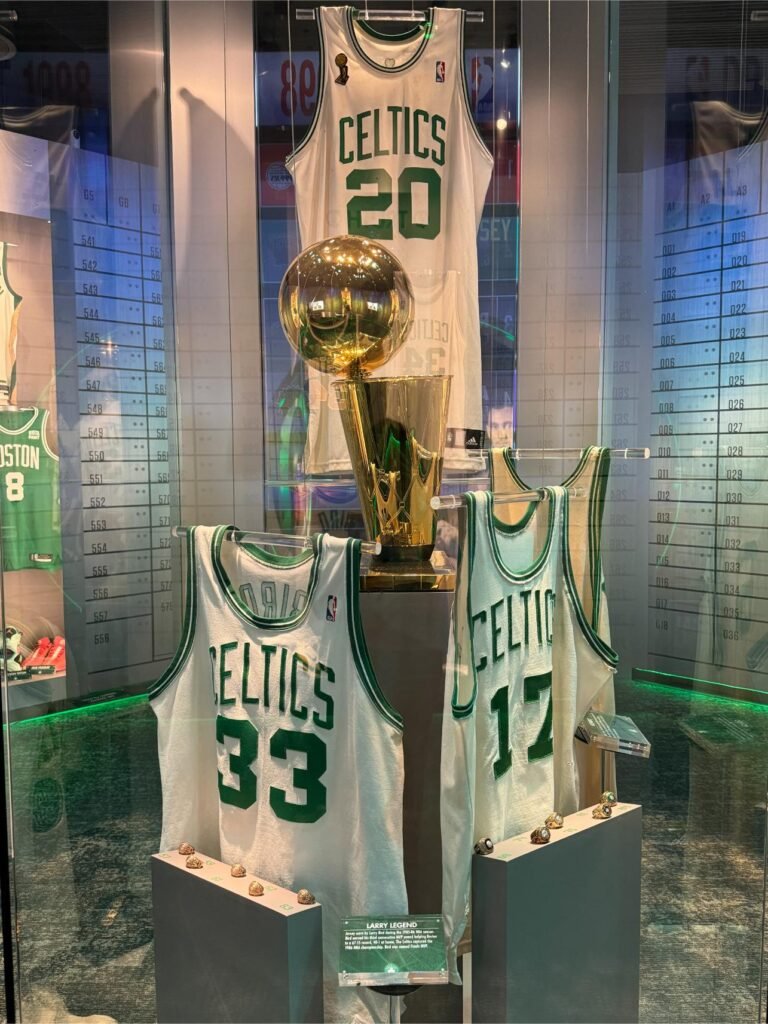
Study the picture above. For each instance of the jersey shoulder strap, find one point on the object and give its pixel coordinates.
(4, 282)
(184, 648)
(360, 653)
(325, 17)
(584, 623)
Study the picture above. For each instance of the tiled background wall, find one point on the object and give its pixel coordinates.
(563, 128)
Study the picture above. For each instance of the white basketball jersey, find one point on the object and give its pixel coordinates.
(10, 306)
(497, 761)
(394, 154)
(585, 663)
(277, 748)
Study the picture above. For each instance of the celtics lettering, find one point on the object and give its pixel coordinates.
(274, 677)
(392, 131)
(283, 683)
(520, 619)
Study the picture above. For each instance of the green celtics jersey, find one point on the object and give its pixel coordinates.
(277, 748)
(30, 511)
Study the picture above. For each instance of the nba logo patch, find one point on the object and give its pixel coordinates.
(439, 70)
(330, 608)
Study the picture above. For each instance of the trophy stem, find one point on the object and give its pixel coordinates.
(395, 432)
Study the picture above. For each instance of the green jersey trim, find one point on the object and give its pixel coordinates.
(357, 639)
(466, 709)
(600, 647)
(188, 625)
(427, 28)
(320, 95)
(16, 297)
(271, 558)
(510, 463)
(239, 607)
(465, 91)
(44, 436)
(595, 519)
(409, 33)
(597, 492)
(510, 529)
(15, 431)
(538, 562)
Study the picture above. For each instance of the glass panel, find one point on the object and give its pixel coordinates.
(685, 373)
(305, 492)
(88, 490)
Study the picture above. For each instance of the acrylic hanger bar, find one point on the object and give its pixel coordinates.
(446, 501)
(278, 540)
(573, 453)
(376, 14)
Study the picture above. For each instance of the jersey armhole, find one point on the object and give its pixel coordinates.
(464, 573)
(16, 297)
(290, 160)
(600, 647)
(595, 520)
(357, 639)
(44, 435)
(188, 625)
(465, 92)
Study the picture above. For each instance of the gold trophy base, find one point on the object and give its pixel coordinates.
(414, 576)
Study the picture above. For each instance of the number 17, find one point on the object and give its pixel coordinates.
(533, 687)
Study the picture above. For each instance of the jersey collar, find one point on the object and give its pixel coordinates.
(278, 564)
(352, 26)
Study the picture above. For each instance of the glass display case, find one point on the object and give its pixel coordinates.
(286, 647)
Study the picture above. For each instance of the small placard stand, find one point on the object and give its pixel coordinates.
(222, 955)
(393, 955)
(556, 928)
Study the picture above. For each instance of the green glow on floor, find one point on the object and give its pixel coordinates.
(683, 693)
(105, 705)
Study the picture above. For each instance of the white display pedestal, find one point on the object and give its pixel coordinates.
(224, 956)
(556, 928)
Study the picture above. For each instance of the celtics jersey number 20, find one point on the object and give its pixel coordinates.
(393, 154)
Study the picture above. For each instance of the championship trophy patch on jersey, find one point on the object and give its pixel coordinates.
(440, 71)
(341, 64)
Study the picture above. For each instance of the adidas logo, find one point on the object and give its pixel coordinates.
(472, 442)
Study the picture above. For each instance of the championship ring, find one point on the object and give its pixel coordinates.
(305, 896)
(484, 847)
(609, 797)
(540, 835)
(186, 849)
(255, 889)
(194, 862)
(602, 811)
(554, 820)
(238, 871)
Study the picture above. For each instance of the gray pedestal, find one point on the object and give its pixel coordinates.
(407, 635)
(556, 928)
(224, 956)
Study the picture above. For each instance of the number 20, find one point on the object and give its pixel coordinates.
(359, 205)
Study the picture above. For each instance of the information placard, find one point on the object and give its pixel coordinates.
(393, 951)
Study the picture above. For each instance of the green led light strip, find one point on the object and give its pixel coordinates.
(105, 705)
(702, 687)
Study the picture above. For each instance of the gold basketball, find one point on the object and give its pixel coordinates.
(346, 305)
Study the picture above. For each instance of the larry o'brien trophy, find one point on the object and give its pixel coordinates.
(346, 307)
